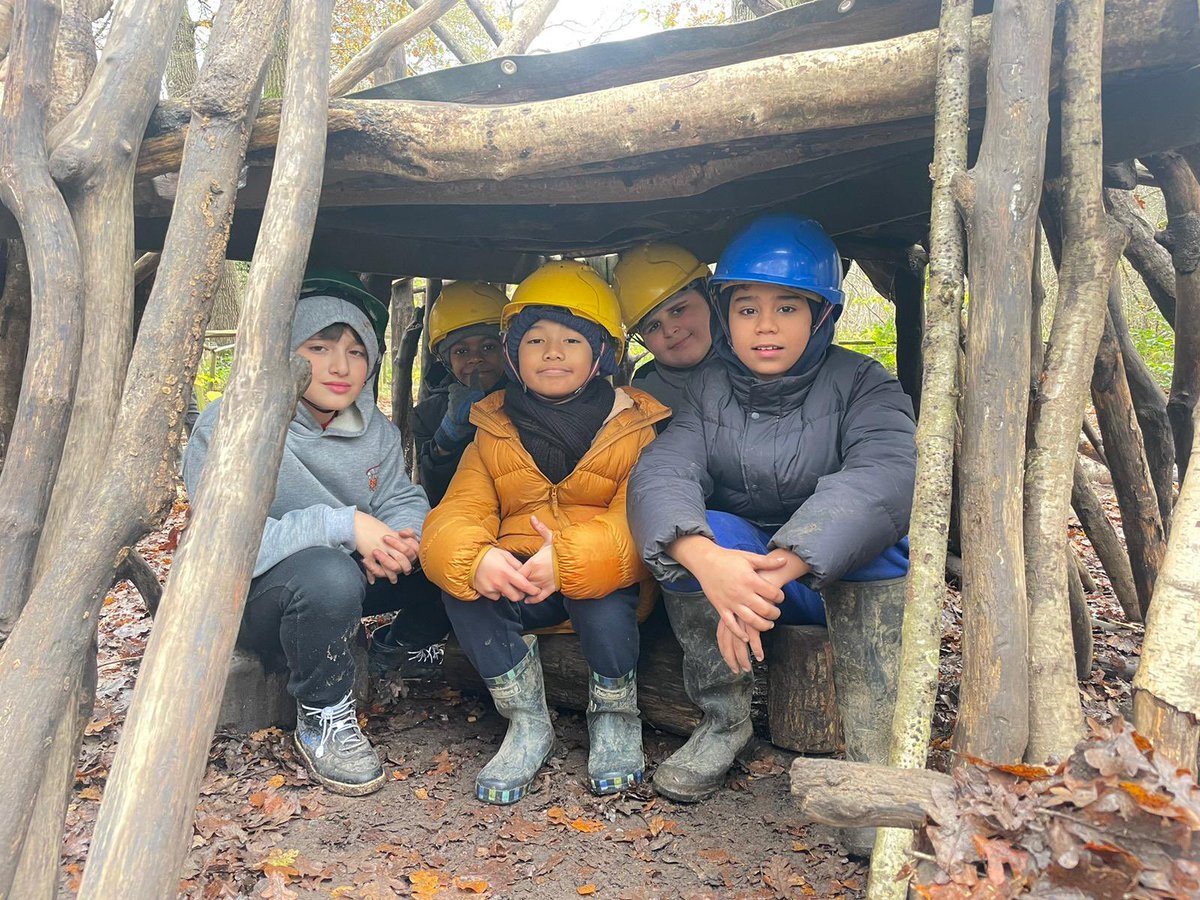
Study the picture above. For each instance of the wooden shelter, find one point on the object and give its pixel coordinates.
(476, 171)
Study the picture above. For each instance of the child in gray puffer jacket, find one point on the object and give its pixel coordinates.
(780, 492)
(340, 537)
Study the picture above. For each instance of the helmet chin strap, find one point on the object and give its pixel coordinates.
(319, 409)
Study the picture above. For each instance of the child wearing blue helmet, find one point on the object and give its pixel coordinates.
(781, 492)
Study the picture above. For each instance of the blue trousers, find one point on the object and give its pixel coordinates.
(801, 604)
(490, 630)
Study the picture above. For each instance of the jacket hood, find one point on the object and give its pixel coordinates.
(812, 357)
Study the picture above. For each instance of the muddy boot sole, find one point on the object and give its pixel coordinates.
(685, 791)
(509, 796)
(346, 789)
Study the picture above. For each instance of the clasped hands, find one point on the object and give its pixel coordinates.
(500, 574)
(745, 589)
(386, 553)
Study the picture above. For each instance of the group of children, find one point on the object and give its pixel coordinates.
(753, 474)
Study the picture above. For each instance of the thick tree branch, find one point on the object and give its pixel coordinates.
(485, 19)
(457, 48)
(531, 19)
(133, 855)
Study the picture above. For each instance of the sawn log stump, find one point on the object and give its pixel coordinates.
(802, 711)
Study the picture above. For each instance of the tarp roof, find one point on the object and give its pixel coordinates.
(867, 182)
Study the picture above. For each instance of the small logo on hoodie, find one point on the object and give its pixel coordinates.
(373, 477)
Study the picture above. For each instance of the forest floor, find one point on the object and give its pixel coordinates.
(264, 830)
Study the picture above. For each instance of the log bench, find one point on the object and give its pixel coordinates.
(801, 707)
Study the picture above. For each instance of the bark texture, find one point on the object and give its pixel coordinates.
(1126, 453)
(1166, 688)
(851, 795)
(1182, 238)
(56, 312)
(1149, 258)
(1092, 244)
(95, 149)
(925, 589)
(1000, 198)
(174, 712)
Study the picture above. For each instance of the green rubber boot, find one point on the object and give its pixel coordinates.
(520, 696)
(697, 769)
(865, 618)
(615, 759)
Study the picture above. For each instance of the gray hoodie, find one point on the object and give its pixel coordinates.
(357, 463)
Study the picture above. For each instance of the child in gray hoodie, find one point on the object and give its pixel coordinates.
(341, 534)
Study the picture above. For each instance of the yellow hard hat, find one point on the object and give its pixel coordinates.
(648, 274)
(461, 304)
(575, 287)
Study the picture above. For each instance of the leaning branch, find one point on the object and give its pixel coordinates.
(376, 53)
(925, 590)
(1092, 244)
(174, 713)
(529, 24)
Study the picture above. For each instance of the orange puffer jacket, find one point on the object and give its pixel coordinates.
(498, 487)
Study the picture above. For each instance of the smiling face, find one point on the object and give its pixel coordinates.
(769, 327)
(676, 331)
(339, 368)
(479, 357)
(554, 360)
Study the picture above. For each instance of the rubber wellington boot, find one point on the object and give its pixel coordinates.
(615, 759)
(865, 618)
(520, 696)
(697, 769)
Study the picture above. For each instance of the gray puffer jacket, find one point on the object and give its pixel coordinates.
(825, 460)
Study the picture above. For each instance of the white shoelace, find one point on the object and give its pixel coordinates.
(431, 654)
(339, 725)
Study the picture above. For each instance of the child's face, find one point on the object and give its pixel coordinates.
(554, 360)
(478, 357)
(339, 370)
(769, 327)
(676, 332)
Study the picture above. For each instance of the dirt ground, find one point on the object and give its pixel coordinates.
(264, 831)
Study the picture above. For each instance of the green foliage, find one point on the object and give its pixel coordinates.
(213, 375)
(1156, 344)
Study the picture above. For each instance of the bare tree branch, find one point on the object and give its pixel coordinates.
(485, 19)
(376, 53)
(530, 21)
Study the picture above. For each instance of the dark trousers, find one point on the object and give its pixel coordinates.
(490, 630)
(303, 613)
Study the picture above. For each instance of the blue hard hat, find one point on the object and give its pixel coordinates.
(784, 249)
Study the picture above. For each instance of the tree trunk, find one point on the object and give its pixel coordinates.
(182, 69)
(431, 368)
(1150, 406)
(910, 325)
(1000, 199)
(1148, 257)
(529, 24)
(1105, 542)
(403, 314)
(174, 711)
(376, 53)
(56, 314)
(1140, 519)
(925, 588)
(851, 795)
(1182, 238)
(1166, 688)
(93, 159)
(1092, 244)
(14, 338)
(484, 17)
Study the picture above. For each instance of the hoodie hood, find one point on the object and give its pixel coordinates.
(313, 313)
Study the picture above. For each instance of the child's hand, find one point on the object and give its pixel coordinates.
(792, 567)
(405, 541)
(735, 583)
(734, 650)
(379, 560)
(499, 575)
(539, 568)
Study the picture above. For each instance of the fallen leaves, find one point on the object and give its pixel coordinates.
(559, 816)
(585, 889)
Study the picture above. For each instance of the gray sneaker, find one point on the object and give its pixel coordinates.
(334, 749)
